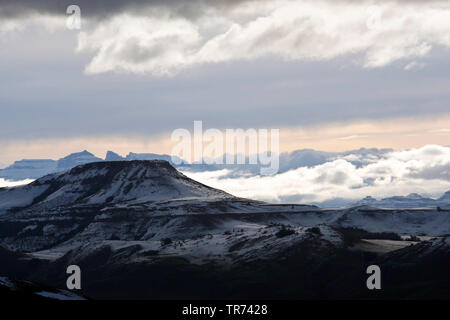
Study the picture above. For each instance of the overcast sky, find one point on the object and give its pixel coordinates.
(332, 75)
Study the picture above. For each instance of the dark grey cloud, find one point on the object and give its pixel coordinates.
(56, 7)
(101, 9)
(441, 172)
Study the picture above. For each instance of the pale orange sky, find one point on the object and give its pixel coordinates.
(398, 134)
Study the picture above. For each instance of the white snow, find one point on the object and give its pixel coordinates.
(19, 197)
(60, 295)
(381, 246)
(6, 282)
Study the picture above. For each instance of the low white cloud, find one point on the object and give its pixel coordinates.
(50, 23)
(160, 42)
(6, 183)
(414, 66)
(425, 171)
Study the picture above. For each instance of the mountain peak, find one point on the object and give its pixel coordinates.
(83, 153)
(105, 183)
(112, 156)
(414, 196)
(75, 159)
(445, 196)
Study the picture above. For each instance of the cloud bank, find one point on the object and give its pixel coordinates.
(6, 183)
(425, 171)
(372, 35)
(164, 37)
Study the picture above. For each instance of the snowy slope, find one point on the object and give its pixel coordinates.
(107, 183)
(243, 242)
(11, 288)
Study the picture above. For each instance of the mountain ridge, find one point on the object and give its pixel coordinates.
(412, 200)
(100, 183)
(167, 225)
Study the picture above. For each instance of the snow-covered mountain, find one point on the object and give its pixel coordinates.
(12, 288)
(76, 159)
(143, 190)
(159, 201)
(28, 169)
(37, 168)
(412, 200)
(445, 197)
(147, 217)
(119, 183)
(112, 156)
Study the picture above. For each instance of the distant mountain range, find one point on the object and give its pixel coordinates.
(36, 168)
(412, 200)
